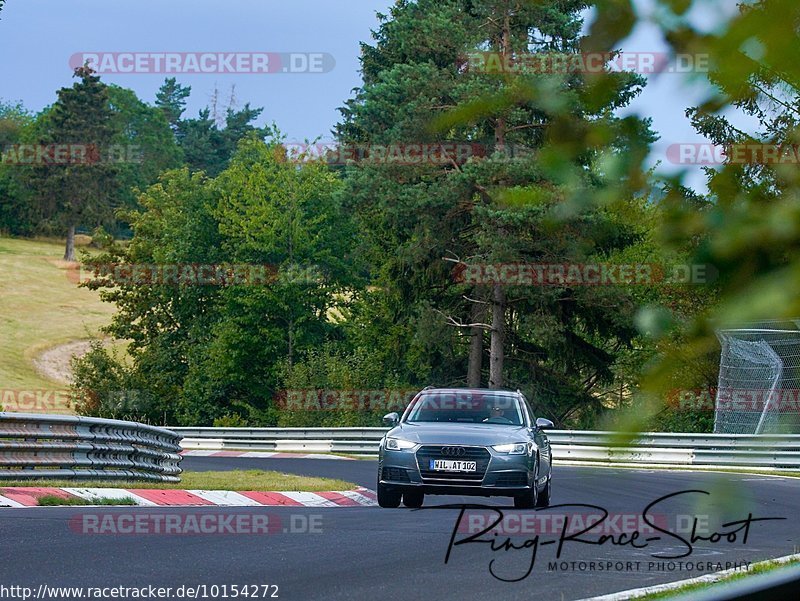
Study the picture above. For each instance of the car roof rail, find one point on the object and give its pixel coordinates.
(428, 388)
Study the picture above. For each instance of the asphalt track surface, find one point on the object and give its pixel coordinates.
(387, 554)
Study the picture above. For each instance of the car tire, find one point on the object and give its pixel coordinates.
(413, 499)
(388, 498)
(544, 497)
(530, 498)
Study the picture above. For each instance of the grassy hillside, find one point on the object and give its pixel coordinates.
(40, 308)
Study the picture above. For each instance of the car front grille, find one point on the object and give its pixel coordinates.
(478, 454)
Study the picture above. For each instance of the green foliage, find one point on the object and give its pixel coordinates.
(384, 309)
(672, 419)
(419, 221)
(231, 420)
(142, 142)
(145, 138)
(748, 227)
(102, 239)
(56, 501)
(105, 386)
(171, 99)
(350, 388)
(83, 192)
(14, 212)
(205, 349)
(17, 213)
(128, 143)
(206, 146)
(14, 117)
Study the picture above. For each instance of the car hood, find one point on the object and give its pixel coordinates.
(465, 434)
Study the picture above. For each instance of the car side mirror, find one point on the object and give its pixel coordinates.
(544, 424)
(391, 419)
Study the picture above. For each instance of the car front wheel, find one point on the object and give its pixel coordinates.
(413, 499)
(530, 498)
(544, 497)
(388, 498)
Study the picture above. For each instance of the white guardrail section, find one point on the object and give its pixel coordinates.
(734, 450)
(68, 447)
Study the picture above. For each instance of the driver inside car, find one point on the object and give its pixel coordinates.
(494, 413)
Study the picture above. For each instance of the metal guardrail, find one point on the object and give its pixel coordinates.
(68, 447)
(731, 450)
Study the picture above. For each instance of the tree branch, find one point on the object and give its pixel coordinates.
(458, 324)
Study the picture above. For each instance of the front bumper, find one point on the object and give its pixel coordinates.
(504, 475)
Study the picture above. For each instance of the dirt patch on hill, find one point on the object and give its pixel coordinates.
(55, 363)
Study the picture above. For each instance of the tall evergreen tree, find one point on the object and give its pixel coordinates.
(207, 143)
(171, 99)
(499, 208)
(83, 191)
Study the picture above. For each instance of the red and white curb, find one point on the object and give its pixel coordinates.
(263, 454)
(151, 497)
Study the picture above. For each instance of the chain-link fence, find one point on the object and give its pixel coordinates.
(759, 379)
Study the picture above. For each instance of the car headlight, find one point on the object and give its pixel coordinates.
(516, 448)
(398, 444)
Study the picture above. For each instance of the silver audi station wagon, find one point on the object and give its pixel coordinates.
(457, 441)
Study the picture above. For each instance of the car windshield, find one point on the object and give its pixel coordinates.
(466, 407)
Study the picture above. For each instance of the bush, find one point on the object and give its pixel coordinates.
(105, 387)
(230, 420)
(330, 372)
(673, 419)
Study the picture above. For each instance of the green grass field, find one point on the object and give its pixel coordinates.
(40, 307)
(235, 480)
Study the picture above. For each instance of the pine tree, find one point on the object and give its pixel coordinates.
(171, 99)
(418, 87)
(209, 140)
(79, 191)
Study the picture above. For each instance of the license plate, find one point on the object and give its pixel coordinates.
(453, 465)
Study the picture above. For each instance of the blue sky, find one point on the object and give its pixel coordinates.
(37, 38)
